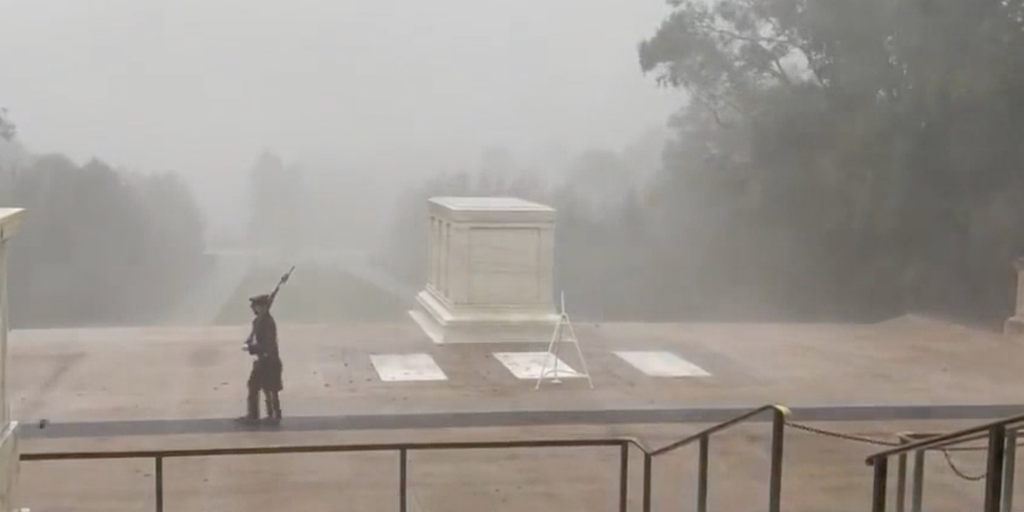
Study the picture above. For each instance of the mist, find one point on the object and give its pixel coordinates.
(386, 91)
(723, 160)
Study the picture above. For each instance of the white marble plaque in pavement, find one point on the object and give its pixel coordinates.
(406, 367)
(528, 365)
(661, 364)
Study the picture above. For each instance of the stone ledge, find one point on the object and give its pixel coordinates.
(1014, 327)
(10, 221)
(9, 466)
(615, 412)
(447, 313)
(444, 326)
(486, 210)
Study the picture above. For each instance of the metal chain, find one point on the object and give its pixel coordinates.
(840, 435)
(878, 442)
(973, 448)
(959, 472)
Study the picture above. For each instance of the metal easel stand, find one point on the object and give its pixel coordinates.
(557, 338)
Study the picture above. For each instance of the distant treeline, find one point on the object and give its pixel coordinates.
(99, 246)
(838, 160)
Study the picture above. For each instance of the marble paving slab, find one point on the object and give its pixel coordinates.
(528, 365)
(661, 364)
(407, 367)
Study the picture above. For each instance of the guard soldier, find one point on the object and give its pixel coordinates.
(267, 367)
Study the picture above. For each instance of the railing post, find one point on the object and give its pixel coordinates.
(403, 479)
(648, 468)
(624, 477)
(994, 468)
(917, 484)
(158, 476)
(901, 479)
(1009, 469)
(878, 485)
(775, 475)
(901, 482)
(702, 475)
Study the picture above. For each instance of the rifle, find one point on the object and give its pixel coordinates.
(273, 295)
(284, 279)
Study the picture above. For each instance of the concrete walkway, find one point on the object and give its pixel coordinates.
(359, 265)
(512, 418)
(232, 266)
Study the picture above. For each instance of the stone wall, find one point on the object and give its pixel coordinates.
(9, 454)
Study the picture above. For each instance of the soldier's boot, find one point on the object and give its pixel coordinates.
(277, 405)
(272, 416)
(252, 407)
(273, 408)
(269, 400)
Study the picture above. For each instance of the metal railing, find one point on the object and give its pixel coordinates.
(779, 415)
(1001, 452)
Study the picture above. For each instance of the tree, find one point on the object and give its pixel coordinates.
(264, 185)
(7, 128)
(277, 204)
(101, 246)
(876, 136)
(597, 182)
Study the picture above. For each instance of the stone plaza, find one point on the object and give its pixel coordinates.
(462, 367)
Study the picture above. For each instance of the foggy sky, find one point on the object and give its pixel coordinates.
(202, 86)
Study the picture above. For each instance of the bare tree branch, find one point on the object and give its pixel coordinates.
(778, 71)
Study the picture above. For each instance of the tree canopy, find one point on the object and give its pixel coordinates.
(837, 160)
(881, 137)
(99, 246)
(276, 192)
(7, 128)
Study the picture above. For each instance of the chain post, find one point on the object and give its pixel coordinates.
(702, 475)
(1010, 469)
(878, 484)
(994, 468)
(917, 485)
(403, 480)
(624, 477)
(159, 478)
(775, 471)
(901, 482)
(648, 468)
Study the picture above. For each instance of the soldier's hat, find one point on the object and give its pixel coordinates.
(260, 300)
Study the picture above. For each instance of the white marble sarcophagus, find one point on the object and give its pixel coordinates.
(490, 273)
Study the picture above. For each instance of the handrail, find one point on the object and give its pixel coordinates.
(623, 442)
(957, 437)
(725, 425)
(403, 450)
(333, 448)
(779, 415)
(1001, 451)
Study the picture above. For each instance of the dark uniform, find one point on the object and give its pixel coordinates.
(267, 368)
